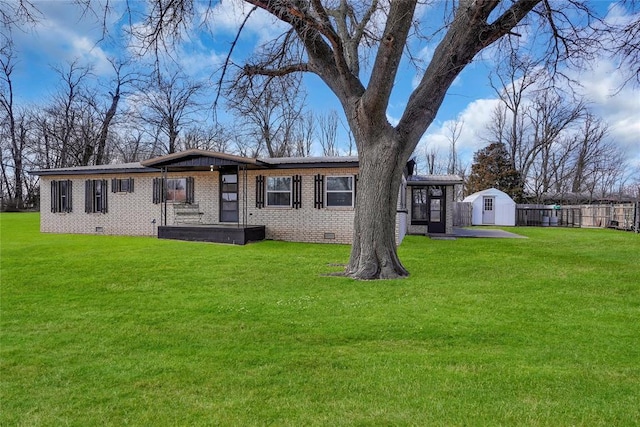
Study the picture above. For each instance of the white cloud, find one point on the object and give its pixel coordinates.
(475, 118)
(227, 17)
(65, 36)
(617, 104)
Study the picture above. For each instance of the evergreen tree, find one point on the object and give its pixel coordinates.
(492, 169)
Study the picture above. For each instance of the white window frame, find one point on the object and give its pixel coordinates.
(99, 198)
(268, 192)
(327, 191)
(173, 190)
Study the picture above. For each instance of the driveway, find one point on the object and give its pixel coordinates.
(485, 232)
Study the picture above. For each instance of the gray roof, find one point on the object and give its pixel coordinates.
(135, 167)
(309, 162)
(434, 180)
(186, 157)
(325, 159)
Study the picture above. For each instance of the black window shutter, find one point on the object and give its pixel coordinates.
(69, 196)
(260, 191)
(88, 196)
(355, 189)
(158, 190)
(114, 185)
(130, 185)
(190, 190)
(297, 191)
(319, 191)
(104, 196)
(55, 199)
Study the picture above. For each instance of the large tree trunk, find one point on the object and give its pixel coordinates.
(373, 253)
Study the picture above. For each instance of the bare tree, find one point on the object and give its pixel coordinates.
(328, 133)
(16, 13)
(121, 79)
(64, 115)
(530, 120)
(130, 145)
(512, 81)
(627, 45)
(331, 39)
(269, 111)
(454, 129)
(384, 150)
(14, 129)
(170, 104)
(351, 145)
(306, 127)
(215, 138)
(550, 116)
(433, 162)
(589, 144)
(554, 142)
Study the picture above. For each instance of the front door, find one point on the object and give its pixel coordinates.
(228, 196)
(488, 210)
(437, 211)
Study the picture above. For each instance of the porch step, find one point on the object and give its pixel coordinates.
(236, 235)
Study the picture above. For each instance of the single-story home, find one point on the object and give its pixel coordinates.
(492, 207)
(211, 196)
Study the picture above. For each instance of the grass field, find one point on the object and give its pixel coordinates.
(102, 330)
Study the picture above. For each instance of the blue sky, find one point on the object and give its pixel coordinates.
(63, 34)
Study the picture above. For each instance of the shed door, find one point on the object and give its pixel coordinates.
(488, 210)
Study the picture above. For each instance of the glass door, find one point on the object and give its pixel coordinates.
(228, 197)
(437, 213)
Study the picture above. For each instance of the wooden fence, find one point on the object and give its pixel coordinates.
(622, 216)
(462, 214)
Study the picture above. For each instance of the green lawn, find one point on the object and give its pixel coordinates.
(101, 330)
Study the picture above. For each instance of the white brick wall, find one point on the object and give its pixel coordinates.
(306, 224)
(128, 213)
(133, 213)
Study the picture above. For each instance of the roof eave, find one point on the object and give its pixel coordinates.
(91, 171)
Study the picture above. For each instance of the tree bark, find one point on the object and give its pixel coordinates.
(373, 253)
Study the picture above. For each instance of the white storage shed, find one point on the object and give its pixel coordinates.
(492, 207)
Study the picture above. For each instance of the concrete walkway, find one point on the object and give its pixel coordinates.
(485, 232)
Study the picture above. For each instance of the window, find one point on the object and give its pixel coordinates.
(339, 191)
(61, 192)
(176, 190)
(436, 196)
(179, 190)
(488, 203)
(279, 191)
(122, 185)
(95, 193)
(419, 211)
(435, 210)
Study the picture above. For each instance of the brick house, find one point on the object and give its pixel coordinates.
(210, 196)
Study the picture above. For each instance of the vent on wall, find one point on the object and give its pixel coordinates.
(99, 230)
(329, 236)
